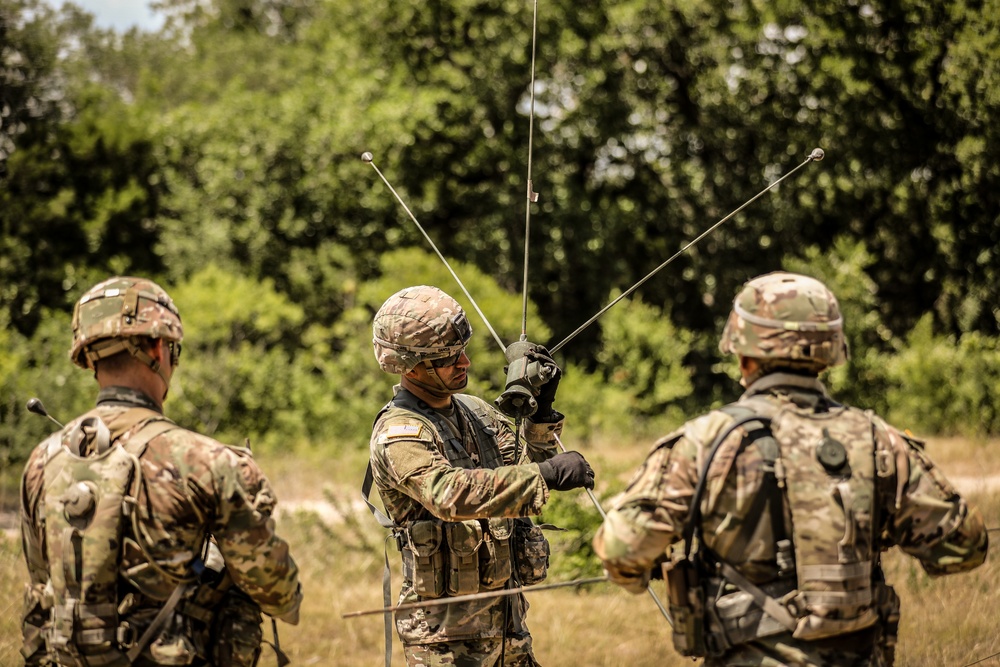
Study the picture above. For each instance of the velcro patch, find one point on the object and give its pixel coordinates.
(404, 431)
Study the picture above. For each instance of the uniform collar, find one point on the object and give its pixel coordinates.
(772, 381)
(126, 397)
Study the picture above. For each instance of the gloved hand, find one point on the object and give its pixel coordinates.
(546, 392)
(568, 470)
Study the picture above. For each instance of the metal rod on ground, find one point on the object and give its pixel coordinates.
(475, 596)
(369, 158)
(816, 155)
(604, 515)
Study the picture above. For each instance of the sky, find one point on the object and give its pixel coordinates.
(119, 14)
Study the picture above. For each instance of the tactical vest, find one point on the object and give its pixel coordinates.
(817, 506)
(89, 496)
(459, 557)
(456, 557)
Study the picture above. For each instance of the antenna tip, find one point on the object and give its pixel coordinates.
(367, 157)
(817, 154)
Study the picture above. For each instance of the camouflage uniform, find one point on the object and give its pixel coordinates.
(766, 507)
(197, 520)
(427, 466)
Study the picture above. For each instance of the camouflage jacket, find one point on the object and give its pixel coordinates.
(918, 510)
(192, 487)
(421, 473)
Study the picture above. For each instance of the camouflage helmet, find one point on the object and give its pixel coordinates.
(418, 324)
(111, 314)
(787, 317)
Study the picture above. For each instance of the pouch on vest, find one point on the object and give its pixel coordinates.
(236, 632)
(494, 556)
(87, 491)
(687, 607)
(423, 558)
(464, 539)
(531, 552)
(831, 497)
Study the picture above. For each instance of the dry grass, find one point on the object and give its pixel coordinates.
(947, 622)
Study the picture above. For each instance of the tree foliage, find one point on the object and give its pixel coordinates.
(221, 155)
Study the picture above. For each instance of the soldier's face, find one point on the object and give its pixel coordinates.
(454, 377)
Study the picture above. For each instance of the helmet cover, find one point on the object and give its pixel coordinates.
(110, 313)
(418, 324)
(786, 316)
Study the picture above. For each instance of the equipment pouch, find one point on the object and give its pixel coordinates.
(236, 632)
(687, 607)
(531, 552)
(423, 558)
(887, 603)
(494, 557)
(464, 539)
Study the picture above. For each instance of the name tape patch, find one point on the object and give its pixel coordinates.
(404, 431)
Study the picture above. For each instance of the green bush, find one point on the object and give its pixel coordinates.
(863, 380)
(944, 385)
(38, 367)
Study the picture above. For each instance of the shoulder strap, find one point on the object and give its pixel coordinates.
(366, 490)
(366, 484)
(743, 415)
(485, 435)
(150, 425)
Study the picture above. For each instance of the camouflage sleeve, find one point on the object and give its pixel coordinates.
(405, 457)
(34, 616)
(930, 520)
(542, 439)
(256, 557)
(538, 441)
(649, 515)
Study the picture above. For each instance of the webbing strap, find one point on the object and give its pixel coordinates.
(387, 600)
(33, 638)
(772, 607)
(694, 513)
(366, 490)
(840, 572)
(158, 621)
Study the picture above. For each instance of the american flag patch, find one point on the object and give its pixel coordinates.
(404, 431)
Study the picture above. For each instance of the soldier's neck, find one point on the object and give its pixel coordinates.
(139, 378)
(429, 395)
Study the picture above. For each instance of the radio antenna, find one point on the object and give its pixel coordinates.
(370, 159)
(816, 155)
(532, 196)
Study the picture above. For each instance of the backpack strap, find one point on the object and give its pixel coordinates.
(385, 522)
(743, 415)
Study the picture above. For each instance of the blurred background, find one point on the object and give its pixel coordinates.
(214, 146)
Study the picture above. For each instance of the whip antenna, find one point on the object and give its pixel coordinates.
(816, 155)
(369, 158)
(532, 195)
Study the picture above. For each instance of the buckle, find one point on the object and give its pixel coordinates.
(126, 635)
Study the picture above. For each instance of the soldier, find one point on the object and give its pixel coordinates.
(146, 543)
(769, 515)
(454, 484)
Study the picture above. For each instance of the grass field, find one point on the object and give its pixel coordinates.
(946, 622)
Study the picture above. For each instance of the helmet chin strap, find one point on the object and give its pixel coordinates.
(437, 388)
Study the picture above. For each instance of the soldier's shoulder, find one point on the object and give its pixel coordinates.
(477, 403)
(703, 429)
(196, 449)
(398, 424)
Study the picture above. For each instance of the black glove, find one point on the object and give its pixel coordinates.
(566, 471)
(546, 392)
